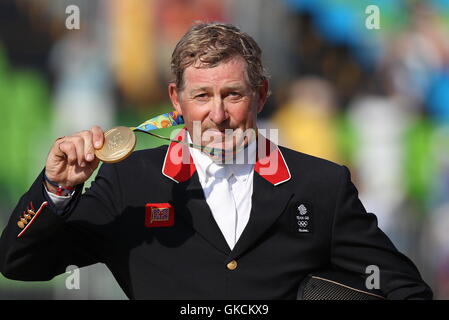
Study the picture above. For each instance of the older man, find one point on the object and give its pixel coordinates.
(249, 228)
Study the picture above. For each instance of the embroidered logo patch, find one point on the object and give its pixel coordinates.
(303, 217)
(159, 215)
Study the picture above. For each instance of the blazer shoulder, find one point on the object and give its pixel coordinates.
(301, 164)
(153, 155)
(304, 158)
(146, 159)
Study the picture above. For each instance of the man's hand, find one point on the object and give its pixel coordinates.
(72, 160)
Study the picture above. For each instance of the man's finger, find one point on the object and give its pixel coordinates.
(88, 145)
(69, 150)
(56, 150)
(98, 136)
(78, 142)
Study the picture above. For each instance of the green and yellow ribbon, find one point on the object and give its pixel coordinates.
(172, 119)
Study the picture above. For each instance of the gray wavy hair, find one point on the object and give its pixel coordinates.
(208, 44)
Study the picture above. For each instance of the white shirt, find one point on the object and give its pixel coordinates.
(59, 201)
(240, 181)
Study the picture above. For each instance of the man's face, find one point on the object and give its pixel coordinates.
(218, 99)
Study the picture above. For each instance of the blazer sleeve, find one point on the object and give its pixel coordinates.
(51, 241)
(357, 243)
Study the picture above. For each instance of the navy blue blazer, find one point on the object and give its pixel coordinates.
(147, 220)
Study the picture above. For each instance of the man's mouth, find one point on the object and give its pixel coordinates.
(219, 137)
(219, 132)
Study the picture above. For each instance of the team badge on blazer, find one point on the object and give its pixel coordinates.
(159, 215)
(302, 212)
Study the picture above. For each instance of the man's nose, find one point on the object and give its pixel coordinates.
(218, 112)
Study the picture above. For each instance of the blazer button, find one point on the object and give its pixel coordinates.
(20, 224)
(232, 265)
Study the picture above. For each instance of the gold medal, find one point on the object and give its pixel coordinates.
(119, 143)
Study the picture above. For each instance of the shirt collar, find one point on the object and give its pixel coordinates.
(270, 164)
(241, 166)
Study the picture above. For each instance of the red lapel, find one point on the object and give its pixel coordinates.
(179, 166)
(178, 163)
(270, 162)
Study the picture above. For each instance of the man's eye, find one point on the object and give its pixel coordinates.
(234, 95)
(201, 96)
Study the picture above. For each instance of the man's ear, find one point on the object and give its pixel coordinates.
(263, 95)
(174, 97)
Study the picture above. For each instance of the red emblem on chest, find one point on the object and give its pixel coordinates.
(159, 215)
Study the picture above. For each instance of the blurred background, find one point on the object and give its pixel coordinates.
(372, 94)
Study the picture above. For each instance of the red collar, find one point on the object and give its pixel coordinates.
(179, 166)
